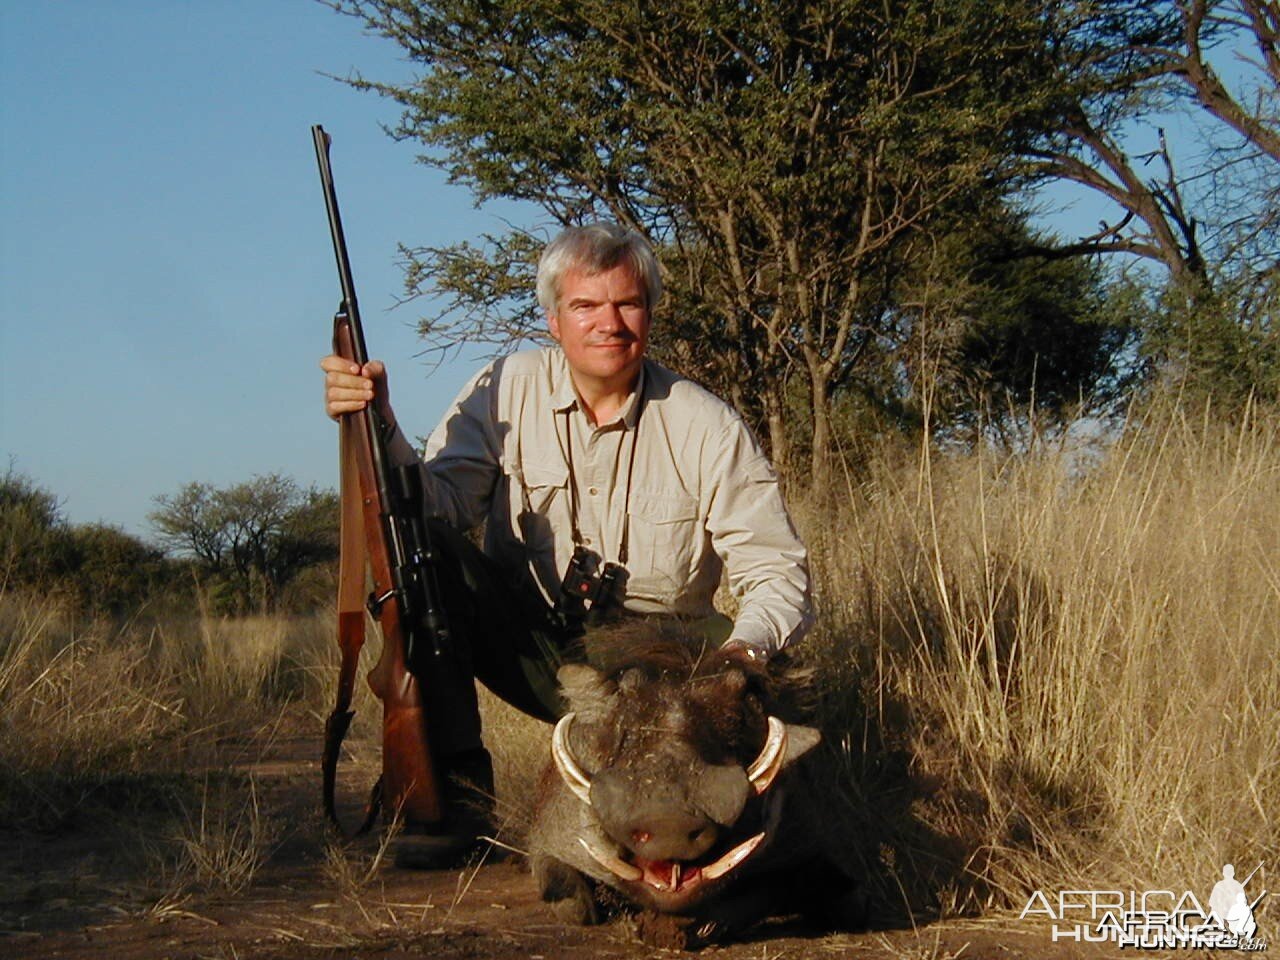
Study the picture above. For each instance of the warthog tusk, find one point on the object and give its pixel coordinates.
(610, 862)
(574, 778)
(731, 859)
(766, 766)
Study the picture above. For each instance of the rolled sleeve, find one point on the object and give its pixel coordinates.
(766, 562)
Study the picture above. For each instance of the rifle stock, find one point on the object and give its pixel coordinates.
(379, 525)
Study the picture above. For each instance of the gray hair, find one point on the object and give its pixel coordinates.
(595, 248)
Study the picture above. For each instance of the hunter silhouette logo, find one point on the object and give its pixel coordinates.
(1229, 905)
(1156, 919)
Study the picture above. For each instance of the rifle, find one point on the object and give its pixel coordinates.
(383, 520)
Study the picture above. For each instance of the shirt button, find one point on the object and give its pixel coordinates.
(586, 541)
(593, 490)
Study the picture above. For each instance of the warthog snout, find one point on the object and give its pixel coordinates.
(673, 820)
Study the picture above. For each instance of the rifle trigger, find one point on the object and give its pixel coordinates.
(375, 602)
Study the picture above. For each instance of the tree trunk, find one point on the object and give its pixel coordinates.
(821, 411)
(779, 446)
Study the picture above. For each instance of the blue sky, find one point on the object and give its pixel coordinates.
(166, 275)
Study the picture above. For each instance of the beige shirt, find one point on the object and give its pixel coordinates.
(698, 497)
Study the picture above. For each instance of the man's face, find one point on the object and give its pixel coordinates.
(602, 324)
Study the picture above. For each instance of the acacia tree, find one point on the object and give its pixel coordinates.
(253, 537)
(1209, 215)
(33, 546)
(1002, 342)
(1121, 63)
(784, 157)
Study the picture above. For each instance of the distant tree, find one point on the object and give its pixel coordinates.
(33, 546)
(996, 341)
(111, 571)
(1010, 338)
(98, 568)
(1215, 346)
(251, 538)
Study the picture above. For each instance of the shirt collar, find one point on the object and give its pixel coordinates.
(630, 412)
(564, 397)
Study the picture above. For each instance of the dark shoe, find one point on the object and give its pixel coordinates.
(467, 782)
(467, 786)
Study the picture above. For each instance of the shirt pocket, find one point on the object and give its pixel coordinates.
(538, 495)
(666, 533)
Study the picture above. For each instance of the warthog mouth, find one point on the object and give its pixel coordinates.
(675, 877)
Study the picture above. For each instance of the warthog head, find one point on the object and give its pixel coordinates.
(669, 777)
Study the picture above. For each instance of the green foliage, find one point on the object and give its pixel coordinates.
(32, 541)
(249, 540)
(98, 568)
(996, 338)
(113, 572)
(813, 175)
(785, 159)
(262, 544)
(1042, 338)
(1216, 346)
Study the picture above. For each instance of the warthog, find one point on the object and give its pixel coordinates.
(671, 782)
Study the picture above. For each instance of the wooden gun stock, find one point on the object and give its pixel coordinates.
(409, 784)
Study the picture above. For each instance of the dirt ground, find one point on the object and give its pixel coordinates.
(85, 893)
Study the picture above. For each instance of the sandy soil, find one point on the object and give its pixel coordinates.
(92, 892)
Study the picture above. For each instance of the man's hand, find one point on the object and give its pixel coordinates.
(348, 388)
(741, 654)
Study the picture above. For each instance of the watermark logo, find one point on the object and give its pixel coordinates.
(1156, 919)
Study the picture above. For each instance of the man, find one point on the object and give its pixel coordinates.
(594, 468)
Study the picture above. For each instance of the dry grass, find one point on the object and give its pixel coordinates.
(233, 672)
(129, 737)
(518, 745)
(78, 711)
(223, 843)
(351, 868)
(1082, 667)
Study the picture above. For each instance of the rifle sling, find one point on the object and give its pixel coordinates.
(351, 626)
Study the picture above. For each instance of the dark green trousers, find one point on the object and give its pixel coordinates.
(500, 634)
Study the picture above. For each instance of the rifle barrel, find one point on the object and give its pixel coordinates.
(349, 304)
(406, 537)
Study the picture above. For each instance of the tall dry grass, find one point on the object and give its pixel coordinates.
(1074, 665)
(96, 714)
(78, 714)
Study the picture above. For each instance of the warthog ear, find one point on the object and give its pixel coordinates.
(631, 680)
(586, 690)
(800, 740)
